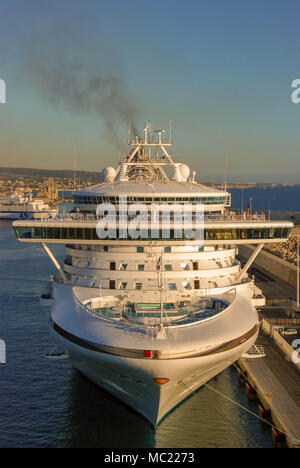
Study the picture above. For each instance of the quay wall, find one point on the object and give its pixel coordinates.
(278, 417)
(280, 268)
(286, 348)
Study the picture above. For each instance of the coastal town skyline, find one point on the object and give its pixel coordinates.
(222, 73)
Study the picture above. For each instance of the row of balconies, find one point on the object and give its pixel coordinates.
(129, 265)
(142, 284)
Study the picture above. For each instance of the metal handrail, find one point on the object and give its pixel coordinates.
(93, 218)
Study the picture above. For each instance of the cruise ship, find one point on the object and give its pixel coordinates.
(151, 301)
(17, 206)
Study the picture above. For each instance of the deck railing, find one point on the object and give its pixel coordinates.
(84, 218)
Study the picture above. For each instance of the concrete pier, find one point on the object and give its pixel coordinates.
(275, 379)
(277, 385)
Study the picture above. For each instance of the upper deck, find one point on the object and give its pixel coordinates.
(149, 174)
(219, 229)
(147, 183)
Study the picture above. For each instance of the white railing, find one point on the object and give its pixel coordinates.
(84, 218)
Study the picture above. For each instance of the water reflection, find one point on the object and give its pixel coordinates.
(97, 419)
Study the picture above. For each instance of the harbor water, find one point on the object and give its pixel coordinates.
(47, 403)
(278, 198)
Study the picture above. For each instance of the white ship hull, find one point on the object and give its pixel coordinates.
(25, 214)
(11, 215)
(137, 388)
(198, 354)
(16, 207)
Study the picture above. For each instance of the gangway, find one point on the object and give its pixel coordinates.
(256, 351)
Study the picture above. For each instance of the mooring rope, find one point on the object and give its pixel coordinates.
(245, 409)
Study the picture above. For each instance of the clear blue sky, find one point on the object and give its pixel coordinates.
(76, 71)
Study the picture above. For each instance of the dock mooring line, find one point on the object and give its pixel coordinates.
(245, 409)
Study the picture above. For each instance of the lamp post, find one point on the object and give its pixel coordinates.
(298, 273)
(250, 199)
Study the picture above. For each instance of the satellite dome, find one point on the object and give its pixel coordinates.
(184, 171)
(109, 174)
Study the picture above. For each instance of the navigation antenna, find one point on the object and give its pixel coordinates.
(225, 177)
(171, 131)
(74, 173)
(129, 134)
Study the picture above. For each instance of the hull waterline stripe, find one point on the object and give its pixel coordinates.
(139, 354)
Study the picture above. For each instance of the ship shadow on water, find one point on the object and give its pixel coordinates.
(97, 419)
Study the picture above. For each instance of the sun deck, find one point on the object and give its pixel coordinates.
(172, 314)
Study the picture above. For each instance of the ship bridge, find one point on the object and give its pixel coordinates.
(217, 230)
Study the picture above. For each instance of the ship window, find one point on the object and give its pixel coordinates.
(112, 266)
(123, 266)
(140, 249)
(105, 248)
(112, 284)
(138, 286)
(172, 286)
(140, 267)
(123, 285)
(168, 267)
(168, 249)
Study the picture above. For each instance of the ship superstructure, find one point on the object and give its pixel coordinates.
(16, 206)
(146, 310)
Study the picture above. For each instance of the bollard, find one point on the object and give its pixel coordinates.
(264, 413)
(279, 439)
(250, 390)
